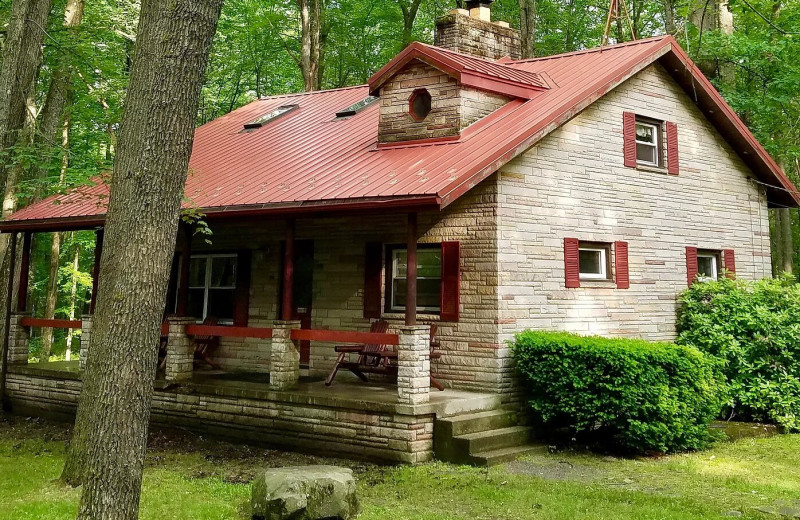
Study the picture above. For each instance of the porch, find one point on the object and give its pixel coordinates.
(350, 417)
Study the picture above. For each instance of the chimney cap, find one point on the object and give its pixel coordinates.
(472, 4)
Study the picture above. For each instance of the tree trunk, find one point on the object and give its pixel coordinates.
(52, 297)
(785, 236)
(310, 27)
(527, 26)
(147, 186)
(669, 17)
(776, 242)
(73, 294)
(20, 62)
(409, 11)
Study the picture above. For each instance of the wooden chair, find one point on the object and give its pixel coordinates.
(206, 345)
(366, 360)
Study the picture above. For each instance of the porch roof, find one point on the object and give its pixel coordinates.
(308, 160)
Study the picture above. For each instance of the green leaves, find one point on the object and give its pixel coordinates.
(624, 393)
(753, 328)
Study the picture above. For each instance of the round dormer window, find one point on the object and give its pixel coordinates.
(419, 104)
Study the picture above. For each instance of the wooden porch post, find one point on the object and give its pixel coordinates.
(411, 271)
(98, 252)
(24, 271)
(288, 272)
(183, 283)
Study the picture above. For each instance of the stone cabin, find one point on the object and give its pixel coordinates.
(578, 192)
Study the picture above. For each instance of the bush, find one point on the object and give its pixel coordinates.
(753, 328)
(625, 393)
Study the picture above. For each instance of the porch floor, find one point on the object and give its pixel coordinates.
(347, 391)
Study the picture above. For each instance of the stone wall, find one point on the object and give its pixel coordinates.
(468, 35)
(477, 104)
(283, 420)
(470, 346)
(574, 184)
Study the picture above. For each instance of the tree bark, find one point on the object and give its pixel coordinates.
(147, 185)
(52, 297)
(669, 17)
(409, 10)
(786, 264)
(310, 30)
(776, 242)
(20, 61)
(73, 297)
(527, 26)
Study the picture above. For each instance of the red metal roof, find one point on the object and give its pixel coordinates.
(308, 159)
(470, 71)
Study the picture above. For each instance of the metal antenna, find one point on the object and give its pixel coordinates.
(617, 11)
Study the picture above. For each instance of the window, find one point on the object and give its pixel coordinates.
(648, 143)
(212, 286)
(593, 261)
(356, 107)
(266, 118)
(707, 265)
(429, 278)
(419, 104)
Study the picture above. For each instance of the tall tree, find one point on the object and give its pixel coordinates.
(54, 134)
(409, 8)
(311, 43)
(147, 186)
(527, 27)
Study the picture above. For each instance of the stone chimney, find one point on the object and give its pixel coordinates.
(471, 31)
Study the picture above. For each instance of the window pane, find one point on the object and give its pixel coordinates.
(429, 293)
(590, 262)
(197, 272)
(401, 263)
(705, 266)
(221, 303)
(195, 307)
(429, 263)
(399, 293)
(645, 133)
(646, 153)
(223, 272)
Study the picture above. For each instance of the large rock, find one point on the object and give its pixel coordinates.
(305, 493)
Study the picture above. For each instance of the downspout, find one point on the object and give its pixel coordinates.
(10, 290)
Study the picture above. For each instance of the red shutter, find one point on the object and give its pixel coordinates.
(621, 265)
(373, 266)
(672, 148)
(730, 262)
(629, 138)
(691, 265)
(241, 307)
(572, 269)
(451, 281)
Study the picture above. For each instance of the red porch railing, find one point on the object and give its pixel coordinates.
(55, 324)
(345, 336)
(229, 332)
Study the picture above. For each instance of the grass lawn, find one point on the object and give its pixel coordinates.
(188, 477)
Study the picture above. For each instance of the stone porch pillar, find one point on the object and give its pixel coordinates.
(18, 340)
(284, 358)
(414, 364)
(86, 334)
(180, 350)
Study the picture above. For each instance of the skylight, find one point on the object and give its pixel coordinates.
(356, 107)
(266, 118)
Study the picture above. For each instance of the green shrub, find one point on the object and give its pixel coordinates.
(630, 394)
(754, 329)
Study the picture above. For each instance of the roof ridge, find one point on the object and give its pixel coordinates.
(663, 37)
(323, 91)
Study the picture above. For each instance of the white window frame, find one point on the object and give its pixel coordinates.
(207, 285)
(714, 264)
(657, 144)
(603, 274)
(395, 262)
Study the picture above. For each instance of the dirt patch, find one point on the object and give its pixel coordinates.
(556, 470)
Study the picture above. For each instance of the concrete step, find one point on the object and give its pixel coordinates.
(499, 456)
(472, 443)
(479, 422)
